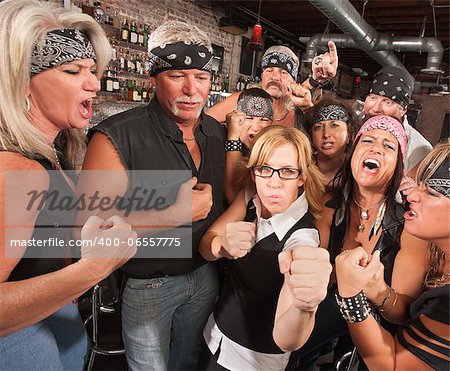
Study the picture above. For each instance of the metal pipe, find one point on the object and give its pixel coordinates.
(377, 45)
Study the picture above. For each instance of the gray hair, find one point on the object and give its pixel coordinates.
(175, 31)
(23, 23)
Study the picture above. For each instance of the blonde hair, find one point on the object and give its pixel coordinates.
(275, 136)
(24, 23)
(175, 31)
(426, 169)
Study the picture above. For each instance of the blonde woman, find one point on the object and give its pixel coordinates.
(276, 213)
(47, 91)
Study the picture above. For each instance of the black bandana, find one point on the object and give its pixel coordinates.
(256, 106)
(394, 83)
(331, 112)
(281, 60)
(440, 180)
(58, 47)
(180, 56)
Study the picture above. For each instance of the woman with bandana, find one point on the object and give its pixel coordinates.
(51, 61)
(254, 113)
(424, 341)
(331, 126)
(363, 212)
(275, 213)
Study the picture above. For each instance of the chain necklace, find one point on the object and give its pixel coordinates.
(188, 139)
(58, 164)
(364, 213)
(282, 118)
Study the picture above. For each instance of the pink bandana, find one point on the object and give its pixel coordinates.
(385, 123)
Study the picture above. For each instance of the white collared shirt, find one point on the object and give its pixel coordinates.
(234, 356)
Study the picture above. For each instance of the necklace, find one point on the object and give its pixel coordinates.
(364, 213)
(58, 164)
(282, 118)
(188, 139)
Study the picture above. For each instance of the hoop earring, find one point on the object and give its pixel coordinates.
(27, 103)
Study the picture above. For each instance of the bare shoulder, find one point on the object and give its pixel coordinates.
(17, 161)
(101, 154)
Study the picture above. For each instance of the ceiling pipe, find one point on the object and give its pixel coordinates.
(346, 17)
(398, 43)
(377, 45)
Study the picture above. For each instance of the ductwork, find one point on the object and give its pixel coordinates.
(359, 34)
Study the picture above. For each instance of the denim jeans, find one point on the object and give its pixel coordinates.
(58, 342)
(163, 319)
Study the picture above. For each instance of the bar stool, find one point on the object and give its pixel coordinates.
(105, 309)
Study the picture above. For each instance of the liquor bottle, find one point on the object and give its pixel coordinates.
(129, 90)
(140, 35)
(135, 95)
(226, 84)
(131, 64)
(116, 83)
(109, 17)
(108, 82)
(144, 93)
(133, 33)
(122, 60)
(138, 64)
(146, 69)
(125, 31)
(145, 36)
(99, 13)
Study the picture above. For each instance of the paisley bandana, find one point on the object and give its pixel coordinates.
(332, 112)
(394, 83)
(440, 180)
(180, 56)
(58, 47)
(385, 123)
(281, 60)
(256, 106)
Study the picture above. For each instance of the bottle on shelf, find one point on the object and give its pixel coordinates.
(99, 13)
(125, 31)
(140, 35)
(138, 64)
(129, 90)
(122, 60)
(87, 8)
(133, 33)
(145, 36)
(226, 84)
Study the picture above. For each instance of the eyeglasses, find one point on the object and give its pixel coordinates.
(285, 173)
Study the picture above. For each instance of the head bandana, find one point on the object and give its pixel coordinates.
(440, 180)
(58, 47)
(385, 123)
(332, 112)
(281, 60)
(256, 106)
(394, 83)
(180, 56)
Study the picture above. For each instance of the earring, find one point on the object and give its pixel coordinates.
(27, 103)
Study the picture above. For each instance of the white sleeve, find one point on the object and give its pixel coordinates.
(303, 237)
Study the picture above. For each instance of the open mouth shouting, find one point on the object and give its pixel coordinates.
(86, 108)
(371, 165)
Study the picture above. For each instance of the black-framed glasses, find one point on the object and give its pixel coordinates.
(285, 173)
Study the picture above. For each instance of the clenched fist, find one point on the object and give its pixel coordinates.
(238, 240)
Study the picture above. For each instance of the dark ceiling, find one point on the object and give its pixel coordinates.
(287, 21)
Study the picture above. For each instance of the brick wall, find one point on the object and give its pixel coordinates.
(199, 13)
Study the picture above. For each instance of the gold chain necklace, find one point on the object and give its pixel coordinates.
(364, 212)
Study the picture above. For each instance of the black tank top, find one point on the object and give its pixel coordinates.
(52, 222)
(435, 305)
(245, 311)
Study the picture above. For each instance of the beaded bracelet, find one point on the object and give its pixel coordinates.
(354, 309)
(233, 145)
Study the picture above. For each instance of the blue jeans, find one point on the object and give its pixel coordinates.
(163, 319)
(58, 342)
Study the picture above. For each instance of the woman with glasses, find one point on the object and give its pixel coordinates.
(276, 213)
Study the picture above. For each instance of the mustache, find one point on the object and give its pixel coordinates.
(274, 83)
(187, 99)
